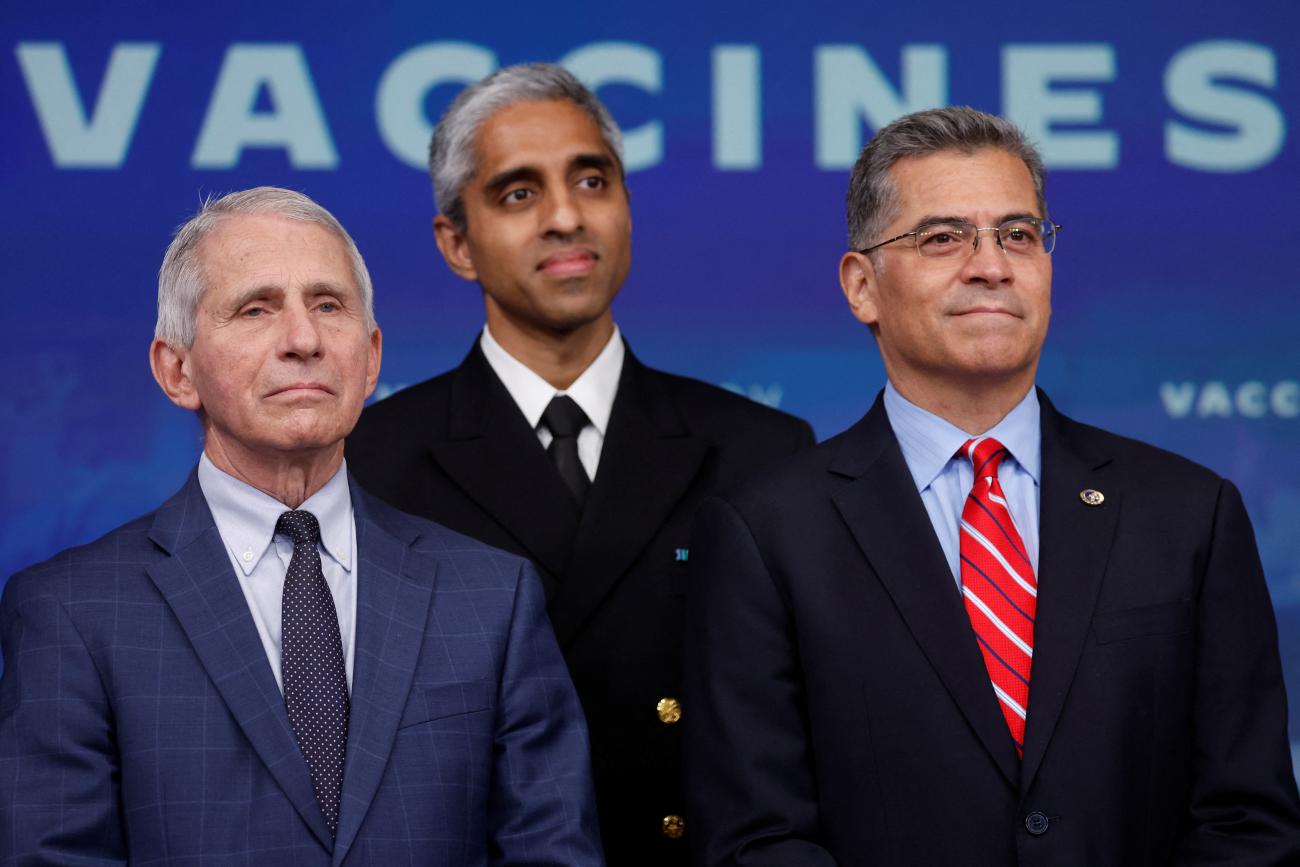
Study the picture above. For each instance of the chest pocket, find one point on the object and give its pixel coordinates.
(430, 702)
(1166, 618)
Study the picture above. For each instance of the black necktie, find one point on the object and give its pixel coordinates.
(311, 664)
(564, 419)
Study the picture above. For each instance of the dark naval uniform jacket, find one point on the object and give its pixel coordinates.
(456, 449)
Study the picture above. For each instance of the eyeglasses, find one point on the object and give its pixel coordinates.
(1023, 236)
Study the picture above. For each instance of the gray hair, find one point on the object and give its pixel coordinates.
(451, 152)
(872, 200)
(181, 279)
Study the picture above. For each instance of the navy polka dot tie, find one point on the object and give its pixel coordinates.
(311, 664)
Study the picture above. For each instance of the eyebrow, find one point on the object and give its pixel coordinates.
(1021, 215)
(267, 290)
(274, 290)
(591, 161)
(938, 218)
(500, 181)
(949, 218)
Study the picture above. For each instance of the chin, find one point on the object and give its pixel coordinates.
(310, 438)
(568, 322)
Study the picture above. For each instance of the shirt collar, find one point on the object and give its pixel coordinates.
(594, 390)
(246, 517)
(928, 442)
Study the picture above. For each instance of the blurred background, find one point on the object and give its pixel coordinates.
(1167, 129)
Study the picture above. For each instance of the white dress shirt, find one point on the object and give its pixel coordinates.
(594, 390)
(246, 518)
(929, 445)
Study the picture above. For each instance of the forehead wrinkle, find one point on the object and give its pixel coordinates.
(950, 179)
(511, 130)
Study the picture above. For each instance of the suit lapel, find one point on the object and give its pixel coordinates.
(394, 585)
(647, 464)
(1075, 542)
(497, 460)
(884, 513)
(199, 584)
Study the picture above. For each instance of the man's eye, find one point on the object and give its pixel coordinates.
(517, 195)
(1020, 235)
(252, 312)
(328, 306)
(592, 182)
(940, 237)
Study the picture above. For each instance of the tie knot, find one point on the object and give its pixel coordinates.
(985, 455)
(563, 417)
(302, 527)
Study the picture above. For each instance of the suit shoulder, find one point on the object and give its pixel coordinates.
(711, 408)
(782, 486)
(393, 415)
(386, 449)
(1141, 461)
(429, 538)
(121, 546)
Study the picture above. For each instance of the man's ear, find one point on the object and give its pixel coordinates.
(374, 360)
(171, 370)
(454, 247)
(859, 281)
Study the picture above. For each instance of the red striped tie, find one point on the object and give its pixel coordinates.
(998, 585)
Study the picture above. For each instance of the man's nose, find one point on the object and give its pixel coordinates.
(301, 334)
(563, 214)
(988, 262)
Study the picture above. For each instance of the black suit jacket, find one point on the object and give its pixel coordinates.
(843, 714)
(457, 449)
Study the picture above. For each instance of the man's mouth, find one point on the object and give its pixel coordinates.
(568, 263)
(994, 311)
(302, 389)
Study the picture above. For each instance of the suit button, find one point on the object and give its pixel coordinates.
(674, 827)
(1036, 824)
(669, 709)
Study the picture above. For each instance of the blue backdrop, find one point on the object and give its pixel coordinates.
(1167, 129)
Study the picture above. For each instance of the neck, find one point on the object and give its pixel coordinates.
(973, 407)
(290, 479)
(558, 358)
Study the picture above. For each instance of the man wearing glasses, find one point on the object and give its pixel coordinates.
(970, 630)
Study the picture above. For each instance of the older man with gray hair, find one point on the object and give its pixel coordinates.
(553, 441)
(275, 667)
(969, 630)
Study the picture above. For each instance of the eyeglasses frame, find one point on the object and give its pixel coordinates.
(975, 242)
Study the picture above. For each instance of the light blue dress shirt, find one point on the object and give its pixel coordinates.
(246, 517)
(944, 481)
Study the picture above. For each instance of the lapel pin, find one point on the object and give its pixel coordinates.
(682, 555)
(1091, 497)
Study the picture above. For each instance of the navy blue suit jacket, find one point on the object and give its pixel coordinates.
(842, 709)
(140, 719)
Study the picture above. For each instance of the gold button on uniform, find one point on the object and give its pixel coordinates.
(674, 827)
(670, 711)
